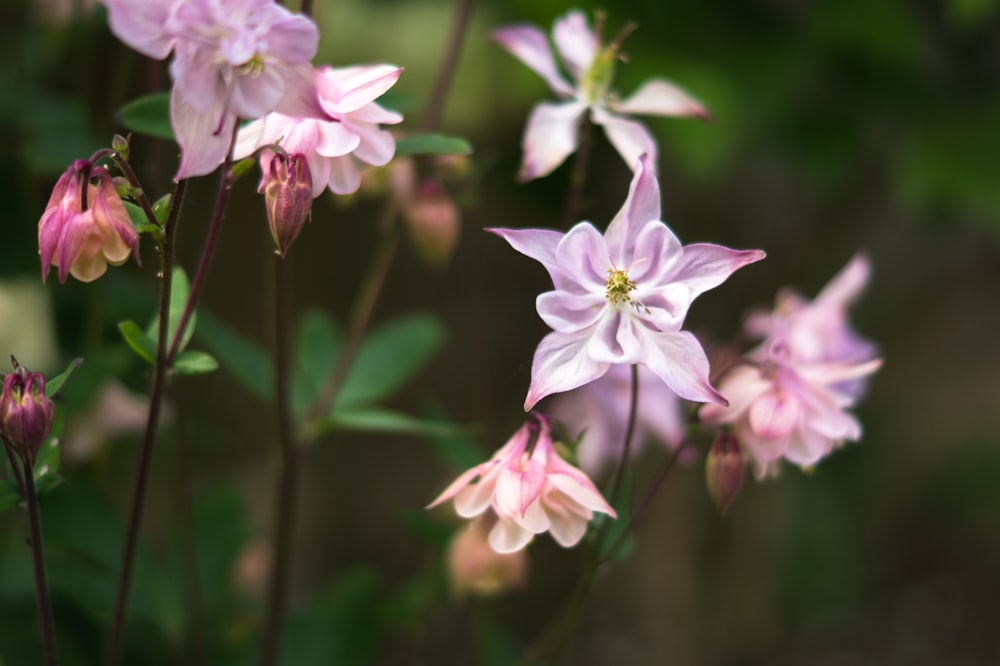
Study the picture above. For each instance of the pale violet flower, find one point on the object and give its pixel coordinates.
(552, 133)
(341, 136)
(621, 298)
(530, 489)
(232, 59)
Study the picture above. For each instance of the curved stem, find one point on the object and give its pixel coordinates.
(446, 70)
(45, 623)
(616, 483)
(139, 192)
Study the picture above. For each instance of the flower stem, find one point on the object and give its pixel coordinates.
(156, 393)
(616, 483)
(578, 178)
(139, 192)
(446, 70)
(291, 470)
(45, 622)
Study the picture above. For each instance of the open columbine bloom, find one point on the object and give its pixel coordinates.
(232, 59)
(552, 133)
(85, 225)
(531, 490)
(621, 298)
(340, 136)
(790, 399)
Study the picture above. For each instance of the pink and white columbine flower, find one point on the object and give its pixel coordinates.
(553, 130)
(85, 225)
(791, 397)
(531, 490)
(342, 134)
(621, 298)
(232, 59)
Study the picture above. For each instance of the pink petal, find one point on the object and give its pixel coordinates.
(344, 175)
(551, 135)
(255, 95)
(561, 363)
(346, 89)
(613, 339)
(629, 137)
(530, 45)
(508, 537)
(517, 489)
(300, 98)
(567, 528)
(584, 260)
(678, 359)
(705, 265)
(141, 24)
(774, 414)
(377, 146)
(569, 313)
(653, 255)
(292, 40)
(333, 139)
(575, 42)
(538, 244)
(847, 285)
(202, 148)
(659, 97)
(641, 206)
(579, 488)
(464, 479)
(373, 113)
(741, 386)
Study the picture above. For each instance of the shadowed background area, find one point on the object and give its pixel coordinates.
(838, 126)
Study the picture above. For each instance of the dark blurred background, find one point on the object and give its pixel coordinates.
(839, 126)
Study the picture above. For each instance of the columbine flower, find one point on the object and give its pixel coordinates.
(530, 489)
(288, 196)
(600, 411)
(26, 413)
(85, 225)
(621, 298)
(232, 59)
(342, 134)
(552, 133)
(791, 396)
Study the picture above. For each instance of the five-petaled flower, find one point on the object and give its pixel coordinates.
(531, 490)
(341, 133)
(85, 225)
(621, 298)
(552, 133)
(232, 59)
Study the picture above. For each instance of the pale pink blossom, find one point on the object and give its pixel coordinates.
(85, 225)
(599, 411)
(621, 298)
(232, 59)
(530, 489)
(552, 133)
(341, 136)
(475, 568)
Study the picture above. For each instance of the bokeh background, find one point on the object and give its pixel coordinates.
(839, 126)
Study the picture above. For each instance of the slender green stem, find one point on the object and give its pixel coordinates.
(189, 546)
(291, 470)
(446, 70)
(15, 467)
(45, 623)
(138, 192)
(578, 178)
(626, 456)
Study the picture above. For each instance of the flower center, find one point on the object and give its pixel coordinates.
(618, 285)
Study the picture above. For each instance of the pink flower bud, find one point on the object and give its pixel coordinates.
(26, 413)
(433, 221)
(288, 195)
(724, 470)
(475, 568)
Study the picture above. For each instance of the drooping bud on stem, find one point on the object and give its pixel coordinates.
(724, 470)
(433, 221)
(288, 196)
(26, 413)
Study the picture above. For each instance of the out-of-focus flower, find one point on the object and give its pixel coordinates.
(85, 225)
(116, 411)
(790, 397)
(433, 222)
(288, 197)
(232, 59)
(621, 298)
(26, 413)
(552, 133)
(475, 568)
(530, 489)
(600, 411)
(724, 470)
(340, 136)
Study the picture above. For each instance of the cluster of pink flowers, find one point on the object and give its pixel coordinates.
(790, 397)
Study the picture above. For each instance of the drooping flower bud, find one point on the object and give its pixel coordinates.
(724, 470)
(288, 196)
(433, 221)
(475, 568)
(26, 413)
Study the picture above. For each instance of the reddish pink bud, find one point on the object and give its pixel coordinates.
(433, 221)
(26, 413)
(724, 470)
(288, 195)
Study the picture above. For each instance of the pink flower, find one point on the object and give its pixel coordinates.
(621, 298)
(232, 59)
(85, 225)
(552, 133)
(341, 136)
(600, 410)
(475, 568)
(531, 490)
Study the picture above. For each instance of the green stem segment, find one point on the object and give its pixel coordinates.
(45, 623)
(578, 178)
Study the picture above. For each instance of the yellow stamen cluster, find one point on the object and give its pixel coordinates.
(618, 286)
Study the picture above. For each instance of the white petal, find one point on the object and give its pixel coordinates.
(561, 363)
(705, 265)
(576, 42)
(530, 45)
(641, 206)
(659, 97)
(629, 137)
(551, 135)
(569, 313)
(508, 537)
(613, 339)
(678, 359)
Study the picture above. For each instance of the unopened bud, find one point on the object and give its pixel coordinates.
(26, 413)
(119, 144)
(123, 188)
(724, 470)
(433, 221)
(288, 196)
(475, 568)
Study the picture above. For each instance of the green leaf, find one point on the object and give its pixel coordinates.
(139, 220)
(194, 362)
(10, 495)
(377, 419)
(149, 115)
(47, 460)
(244, 359)
(388, 358)
(432, 144)
(53, 384)
(160, 209)
(317, 343)
(136, 338)
(179, 290)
